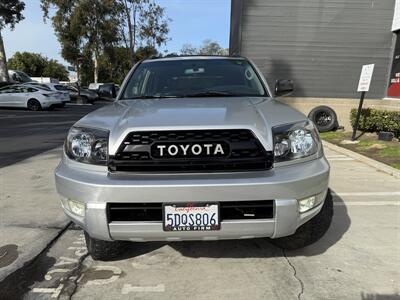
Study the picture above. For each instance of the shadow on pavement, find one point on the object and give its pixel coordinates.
(18, 283)
(250, 248)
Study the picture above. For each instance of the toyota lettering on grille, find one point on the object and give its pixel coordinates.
(190, 150)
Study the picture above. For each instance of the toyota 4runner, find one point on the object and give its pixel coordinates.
(195, 148)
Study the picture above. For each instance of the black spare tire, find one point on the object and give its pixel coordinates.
(324, 118)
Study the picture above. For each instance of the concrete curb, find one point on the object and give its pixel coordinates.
(369, 161)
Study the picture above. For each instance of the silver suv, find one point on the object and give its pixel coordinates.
(195, 148)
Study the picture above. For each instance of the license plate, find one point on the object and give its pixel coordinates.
(191, 217)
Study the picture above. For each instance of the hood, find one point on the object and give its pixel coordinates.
(256, 114)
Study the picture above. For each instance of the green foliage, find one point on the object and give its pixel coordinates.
(36, 65)
(152, 25)
(32, 64)
(84, 26)
(144, 25)
(54, 69)
(114, 64)
(373, 120)
(106, 34)
(209, 47)
(11, 12)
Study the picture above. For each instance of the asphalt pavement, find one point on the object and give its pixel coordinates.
(25, 133)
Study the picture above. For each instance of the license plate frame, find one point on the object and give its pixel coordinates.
(190, 208)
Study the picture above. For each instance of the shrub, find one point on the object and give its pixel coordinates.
(373, 120)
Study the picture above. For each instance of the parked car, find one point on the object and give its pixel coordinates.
(87, 96)
(30, 97)
(56, 87)
(195, 149)
(16, 76)
(94, 86)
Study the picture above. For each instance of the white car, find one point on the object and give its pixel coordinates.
(29, 97)
(55, 87)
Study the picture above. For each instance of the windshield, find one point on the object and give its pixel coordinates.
(61, 87)
(194, 78)
(23, 77)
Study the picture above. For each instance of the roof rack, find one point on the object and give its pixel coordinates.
(194, 56)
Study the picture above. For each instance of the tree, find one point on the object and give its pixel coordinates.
(208, 47)
(146, 23)
(54, 69)
(36, 65)
(32, 64)
(85, 27)
(107, 35)
(10, 14)
(115, 63)
(189, 49)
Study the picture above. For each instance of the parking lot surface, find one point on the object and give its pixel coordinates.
(25, 133)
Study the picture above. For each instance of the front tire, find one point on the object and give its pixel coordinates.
(34, 105)
(103, 250)
(311, 231)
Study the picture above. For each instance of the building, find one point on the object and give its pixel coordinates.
(321, 45)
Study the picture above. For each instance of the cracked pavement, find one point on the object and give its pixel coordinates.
(294, 275)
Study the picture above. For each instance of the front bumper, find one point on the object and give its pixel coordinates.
(96, 187)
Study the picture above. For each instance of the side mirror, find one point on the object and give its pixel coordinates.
(113, 92)
(108, 91)
(283, 87)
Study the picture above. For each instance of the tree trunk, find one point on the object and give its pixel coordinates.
(3, 62)
(128, 18)
(134, 34)
(96, 67)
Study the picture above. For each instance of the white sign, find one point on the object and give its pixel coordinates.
(365, 78)
(396, 17)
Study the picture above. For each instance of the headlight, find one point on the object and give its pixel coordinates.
(293, 141)
(87, 145)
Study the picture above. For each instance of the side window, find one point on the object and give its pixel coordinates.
(138, 86)
(31, 90)
(60, 88)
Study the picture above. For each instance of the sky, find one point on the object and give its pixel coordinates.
(193, 21)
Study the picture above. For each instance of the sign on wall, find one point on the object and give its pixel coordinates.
(365, 78)
(396, 17)
(394, 80)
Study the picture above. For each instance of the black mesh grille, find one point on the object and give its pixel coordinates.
(241, 152)
(233, 210)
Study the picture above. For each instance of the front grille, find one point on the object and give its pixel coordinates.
(233, 210)
(135, 212)
(247, 210)
(242, 152)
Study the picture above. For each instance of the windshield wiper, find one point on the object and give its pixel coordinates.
(153, 97)
(210, 94)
